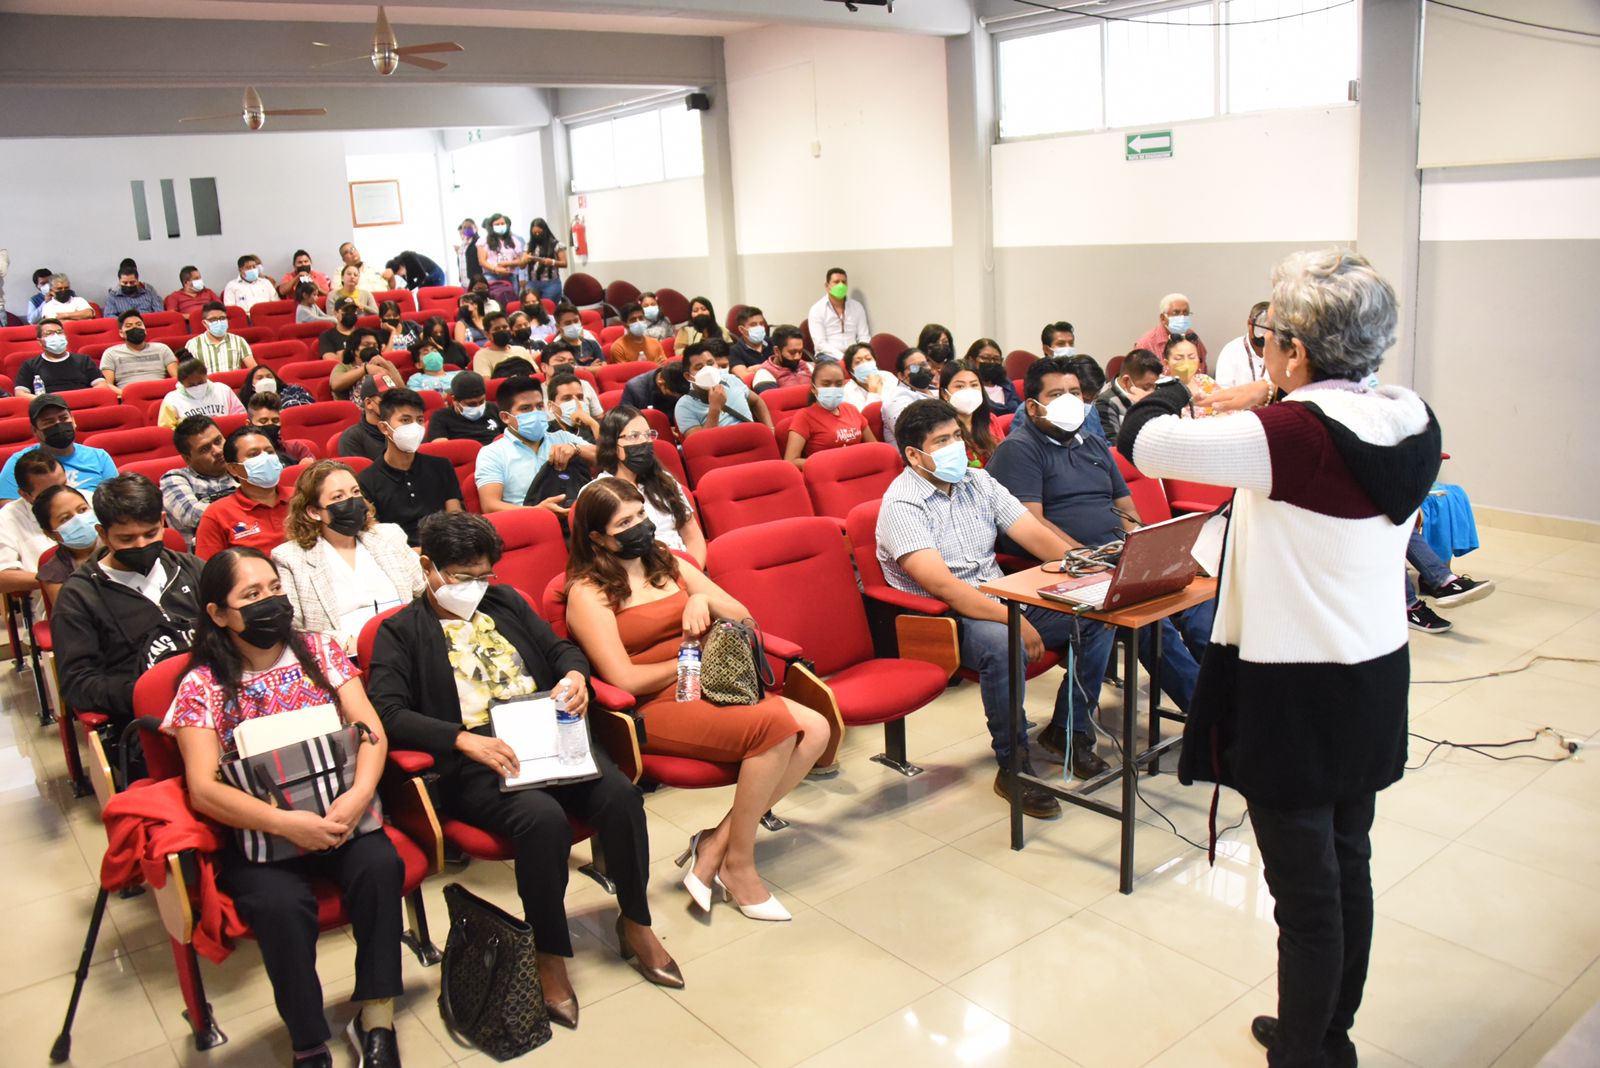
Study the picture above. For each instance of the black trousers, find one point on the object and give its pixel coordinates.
(277, 902)
(1318, 867)
(536, 821)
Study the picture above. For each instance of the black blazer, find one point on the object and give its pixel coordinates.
(413, 687)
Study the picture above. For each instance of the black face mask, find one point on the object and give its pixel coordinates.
(920, 377)
(61, 436)
(991, 374)
(267, 622)
(131, 291)
(363, 355)
(639, 458)
(789, 361)
(63, 295)
(270, 432)
(522, 336)
(391, 324)
(939, 353)
(347, 517)
(705, 324)
(348, 317)
(501, 338)
(1258, 343)
(636, 541)
(141, 559)
(136, 335)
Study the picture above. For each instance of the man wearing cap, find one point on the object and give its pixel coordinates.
(57, 433)
(468, 414)
(365, 438)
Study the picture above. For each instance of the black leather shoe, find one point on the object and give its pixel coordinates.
(1264, 1029)
(1037, 802)
(376, 1048)
(321, 1059)
(1052, 742)
(1086, 763)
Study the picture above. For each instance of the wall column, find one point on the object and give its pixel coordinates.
(724, 280)
(969, 76)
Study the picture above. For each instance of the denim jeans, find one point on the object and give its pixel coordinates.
(550, 289)
(1433, 571)
(1183, 640)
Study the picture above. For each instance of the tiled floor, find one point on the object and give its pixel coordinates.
(920, 938)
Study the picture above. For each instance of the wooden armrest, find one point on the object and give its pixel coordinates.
(98, 768)
(909, 602)
(610, 696)
(932, 639)
(804, 687)
(173, 903)
(618, 735)
(406, 804)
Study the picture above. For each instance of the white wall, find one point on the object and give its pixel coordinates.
(658, 221)
(410, 157)
(1530, 202)
(68, 205)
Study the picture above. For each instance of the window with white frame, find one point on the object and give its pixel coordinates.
(1185, 62)
(636, 149)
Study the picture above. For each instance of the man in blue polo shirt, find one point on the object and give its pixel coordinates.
(52, 422)
(715, 397)
(508, 465)
(1066, 478)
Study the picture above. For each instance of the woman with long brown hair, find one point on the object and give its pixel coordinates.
(960, 385)
(630, 604)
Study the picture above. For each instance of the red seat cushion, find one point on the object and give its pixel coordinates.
(92, 721)
(688, 773)
(476, 842)
(330, 909)
(42, 636)
(876, 691)
(411, 761)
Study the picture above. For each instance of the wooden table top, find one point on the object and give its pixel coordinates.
(1023, 586)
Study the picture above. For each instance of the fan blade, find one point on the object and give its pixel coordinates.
(425, 64)
(210, 118)
(347, 59)
(295, 111)
(437, 46)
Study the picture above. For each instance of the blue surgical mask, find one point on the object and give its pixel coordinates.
(474, 412)
(572, 331)
(758, 335)
(652, 313)
(217, 327)
(55, 344)
(532, 425)
(262, 469)
(251, 275)
(78, 532)
(1178, 325)
(864, 372)
(636, 328)
(1061, 352)
(950, 462)
(830, 397)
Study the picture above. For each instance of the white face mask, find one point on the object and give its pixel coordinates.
(1063, 351)
(461, 599)
(966, 401)
(708, 377)
(409, 436)
(196, 284)
(1065, 413)
(198, 393)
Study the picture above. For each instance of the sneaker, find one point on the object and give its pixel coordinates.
(1086, 763)
(1461, 589)
(1037, 802)
(376, 1048)
(1425, 619)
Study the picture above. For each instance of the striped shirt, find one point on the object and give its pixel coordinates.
(227, 354)
(961, 526)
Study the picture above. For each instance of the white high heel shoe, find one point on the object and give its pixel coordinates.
(771, 909)
(699, 892)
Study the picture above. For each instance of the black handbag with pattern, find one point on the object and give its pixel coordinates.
(489, 990)
(734, 669)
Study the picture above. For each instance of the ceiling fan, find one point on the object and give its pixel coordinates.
(387, 55)
(255, 112)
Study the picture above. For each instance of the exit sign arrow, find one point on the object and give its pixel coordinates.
(1155, 144)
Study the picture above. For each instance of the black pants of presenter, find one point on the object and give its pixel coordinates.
(1318, 867)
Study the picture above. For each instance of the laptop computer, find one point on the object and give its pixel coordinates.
(1155, 561)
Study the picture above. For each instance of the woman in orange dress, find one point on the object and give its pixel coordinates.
(630, 604)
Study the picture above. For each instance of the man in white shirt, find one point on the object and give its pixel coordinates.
(1241, 360)
(837, 321)
(21, 540)
(64, 304)
(251, 287)
(372, 281)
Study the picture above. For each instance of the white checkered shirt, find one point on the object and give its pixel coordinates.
(960, 526)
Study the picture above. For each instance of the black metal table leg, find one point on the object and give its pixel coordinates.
(1130, 766)
(1154, 741)
(1019, 681)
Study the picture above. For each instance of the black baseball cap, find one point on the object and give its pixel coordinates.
(39, 404)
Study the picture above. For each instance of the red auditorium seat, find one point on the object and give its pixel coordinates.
(609, 335)
(1147, 493)
(723, 446)
(731, 320)
(88, 331)
(591, 319)
(111, 417)
(164, 324)
(535, 549)
(79, 399)
(255, 334)
(314, 422)
(303, 331)
(619, 293)
(750, 494)
(140, 443)
(229, 423)
(805, 335)
(764, 567)
(611, 376)
(874, 416)
(13, 354)
(1195, 496)
(440, 300)
(312, 376)
(886, 349)
(669, 457)
(147, 396)
(97, 349)
(154, 467)
(664, 429)
(463, 456)
(674, 305)
(785, 401)
(1114, 368)
(401, 297)
(584, 290)
(17, 431)
(14, 406)
(610, 399)
(275, 354)
(275, 314)
(1017, 362)
(840, 479)
(669, 346)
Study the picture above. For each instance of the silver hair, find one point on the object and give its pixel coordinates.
(59, 278)
(1339, 307)
(1169, 300)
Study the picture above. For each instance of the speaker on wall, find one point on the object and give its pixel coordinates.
(697, 102)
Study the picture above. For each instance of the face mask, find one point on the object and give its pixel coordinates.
(140, 559)
(44, 290)
(433, 363)
(636, 328)
(217, 327)
(830, 397)
(391, 324)
(500, 228)
(1061, 352)
(639, 458)
(522, 335)
(864, 372)
(408, 436)
(131, 291)
(346, 517)
(708, 377)
(838, 291)
(758, 335)
(572, 331)
(1065, 413)
(55, 344)
(652, 313)
(991, 374)
(61, 436)
(705, 324)
(940, 353)
(262, 470)
(63, 295)
(1183, 370)
(569, 408)
(532, 425)
(501, 338)
(636, 541)
(267, 622)
(472, 413)
(461, 599)
(78, 532)
(251, 275)
(270, 431)
(365, 353)
(136, 335)
(348, 317)
(196, 284)
(920, 376)
(469, 232)
(966, 401)
(1177, 325)
(197, 393)
(949, 462)
(1258, 343)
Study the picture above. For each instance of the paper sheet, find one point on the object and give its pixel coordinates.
(529, 728)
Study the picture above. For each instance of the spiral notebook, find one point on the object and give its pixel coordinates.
(528, 726)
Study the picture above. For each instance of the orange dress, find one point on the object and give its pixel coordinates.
(724, 733)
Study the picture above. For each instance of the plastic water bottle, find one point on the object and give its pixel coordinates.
(572, 741)
(688, 671)
(38, 386)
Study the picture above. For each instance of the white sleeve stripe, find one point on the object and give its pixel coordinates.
(1226, 450)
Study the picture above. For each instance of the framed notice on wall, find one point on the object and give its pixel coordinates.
(376, 203)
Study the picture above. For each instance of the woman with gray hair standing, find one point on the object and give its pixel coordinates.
(1301, 701)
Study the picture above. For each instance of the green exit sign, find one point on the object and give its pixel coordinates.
(1152, 144)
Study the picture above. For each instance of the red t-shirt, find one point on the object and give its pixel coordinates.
(823, 429)
(238, 520)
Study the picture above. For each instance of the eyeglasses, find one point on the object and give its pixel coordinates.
(638, 437)
(1260, 328)
(488, 576)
